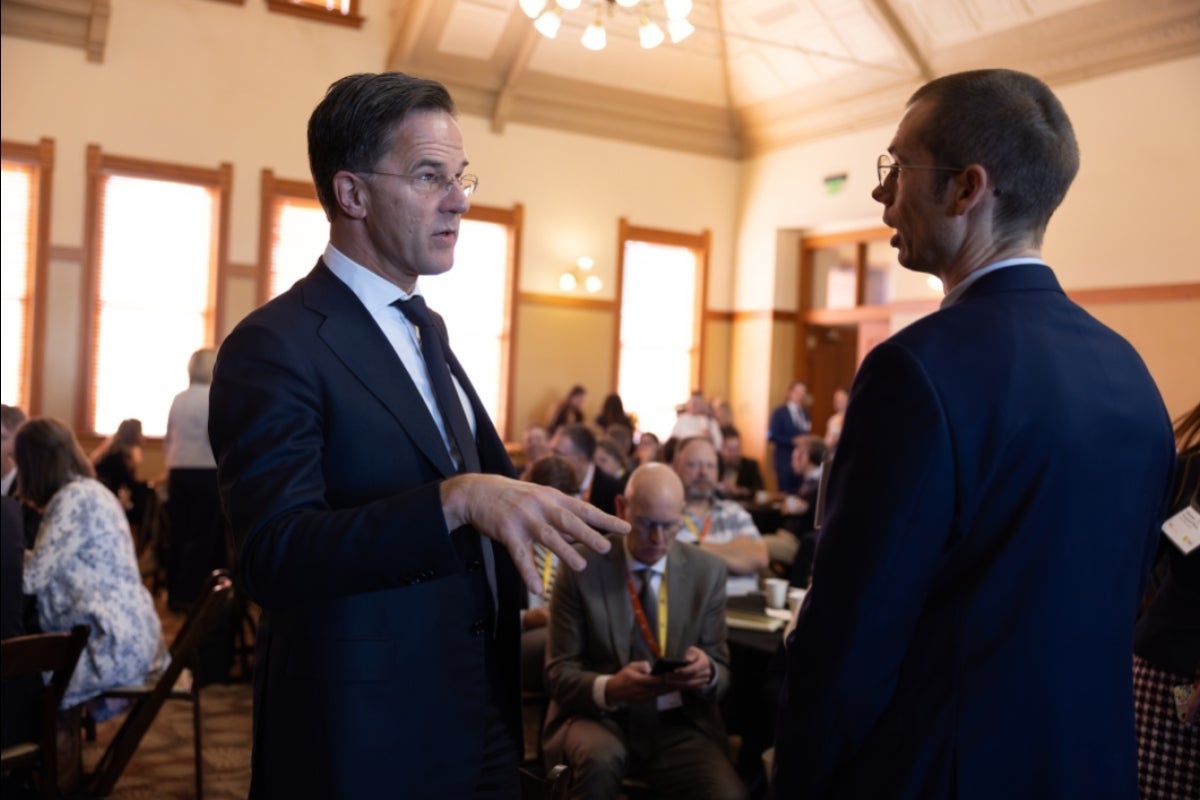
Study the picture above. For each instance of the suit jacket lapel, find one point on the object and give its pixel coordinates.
(616, 600)
(678, 614)
(352, 335)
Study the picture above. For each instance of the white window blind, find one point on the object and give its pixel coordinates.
(18, 225)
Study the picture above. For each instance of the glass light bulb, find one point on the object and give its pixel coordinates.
(547, 24)
(628, 3)
(592, 283)
(650, 34)
(680, 29)
(594, 36)
(532, 7)
(568, 5)
(677, 9)
(566, 281)
(585, 262)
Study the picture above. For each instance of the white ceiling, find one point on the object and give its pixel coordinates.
(761, 74)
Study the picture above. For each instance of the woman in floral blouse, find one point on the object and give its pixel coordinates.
(82, 568)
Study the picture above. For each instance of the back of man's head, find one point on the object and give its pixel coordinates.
(1012, 125)
(581, 438)
(11, 417)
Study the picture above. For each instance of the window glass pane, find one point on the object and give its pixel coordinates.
(472, 299)
(16, 253)
(658, 332)
(156, 256)
(835, 283)
(299, 234)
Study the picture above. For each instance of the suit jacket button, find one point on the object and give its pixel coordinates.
(478, 627)
(474, 565)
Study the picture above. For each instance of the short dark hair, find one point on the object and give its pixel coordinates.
(730, 432)
(48, 456)
(556, 472)
(1012, 125)
(581, 437)
(11, 417)
(351, 128)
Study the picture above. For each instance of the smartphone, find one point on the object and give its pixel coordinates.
(665, 665)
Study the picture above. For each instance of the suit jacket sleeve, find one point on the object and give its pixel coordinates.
(316, 516)
(780, 428)
(571, 667)
(891, 504)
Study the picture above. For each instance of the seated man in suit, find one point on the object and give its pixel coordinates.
(610, 715)
(741, 478)
(721, 527)
(577, 444)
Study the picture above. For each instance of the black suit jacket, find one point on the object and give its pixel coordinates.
(605, 489)
(371, 668)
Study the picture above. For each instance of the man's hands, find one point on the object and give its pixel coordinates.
(634, 683)
(517, 513)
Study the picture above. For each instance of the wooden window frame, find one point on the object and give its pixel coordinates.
(272, 190)
(100, 166)
(314, 12)
(41, 156)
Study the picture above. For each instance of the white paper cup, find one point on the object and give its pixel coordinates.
(794, 598)
(776, 590)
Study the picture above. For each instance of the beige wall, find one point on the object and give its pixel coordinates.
(200, 83)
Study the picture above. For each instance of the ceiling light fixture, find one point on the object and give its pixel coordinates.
(581, 273)
(548, 16)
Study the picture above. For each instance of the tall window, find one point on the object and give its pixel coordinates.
(476, 297)
(157, 234)
(24, 212)
(662, 285)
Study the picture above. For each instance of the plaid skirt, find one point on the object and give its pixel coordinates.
(1168, 750)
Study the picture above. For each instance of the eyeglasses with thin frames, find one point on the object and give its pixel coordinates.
(887, 168)
(432, 183)
(669, 527)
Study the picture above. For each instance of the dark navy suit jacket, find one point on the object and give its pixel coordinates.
(782, 431)
(370, 672)
(969, 627)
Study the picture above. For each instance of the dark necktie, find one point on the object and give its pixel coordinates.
(458, 430)
(649, 600)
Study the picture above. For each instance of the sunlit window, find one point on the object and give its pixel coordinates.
(660, 322)
(24, 177)
(295, 232)
(340, 12)
(156, 261)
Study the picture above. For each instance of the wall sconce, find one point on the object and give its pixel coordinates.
(581, 273)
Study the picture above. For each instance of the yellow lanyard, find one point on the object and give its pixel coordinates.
(547, 568)
(639, 613)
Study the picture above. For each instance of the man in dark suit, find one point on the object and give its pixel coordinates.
(365, 485)
(577, 444)
(610, 715)
(969, 625)
(741, 478)
(788, 422)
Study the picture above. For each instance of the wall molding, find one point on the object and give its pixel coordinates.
(59, 252)
(1135, 294)
(565, 301)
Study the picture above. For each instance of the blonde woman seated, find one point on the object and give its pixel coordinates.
(82, 568)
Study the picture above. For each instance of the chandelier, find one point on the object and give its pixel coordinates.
(548, 14)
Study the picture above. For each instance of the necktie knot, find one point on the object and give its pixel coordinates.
(415, 310)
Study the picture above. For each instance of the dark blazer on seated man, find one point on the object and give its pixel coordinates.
(668, 735)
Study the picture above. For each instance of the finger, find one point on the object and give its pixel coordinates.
(522, 558)
(594, 517)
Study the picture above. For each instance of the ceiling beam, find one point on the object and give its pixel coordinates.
(905, 39)
(410, 21)
(502, 109)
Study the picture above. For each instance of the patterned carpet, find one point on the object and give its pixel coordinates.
(162, 767)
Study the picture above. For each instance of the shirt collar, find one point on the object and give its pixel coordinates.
(373, 291)
(658, 567)
(955, 294)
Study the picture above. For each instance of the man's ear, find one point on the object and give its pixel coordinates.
(622, 506)
(970, 187)
(349, 190)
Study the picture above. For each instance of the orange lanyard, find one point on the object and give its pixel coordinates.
(702, 533)
(656, 644)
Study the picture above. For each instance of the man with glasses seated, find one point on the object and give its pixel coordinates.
(648, 600)
(722, 527)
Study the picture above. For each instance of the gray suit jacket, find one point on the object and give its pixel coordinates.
(591, 626)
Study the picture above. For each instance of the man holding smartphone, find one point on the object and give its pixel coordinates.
(637, 660)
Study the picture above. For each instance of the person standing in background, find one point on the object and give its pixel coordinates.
(788, 422)
(969, 625)
(1166, 640)
(196, 538)
(569, 410)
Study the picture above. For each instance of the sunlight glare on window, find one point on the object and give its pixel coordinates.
(471, 298)
(16, 252)
(156, 255)
(658, 329)
(300, 234)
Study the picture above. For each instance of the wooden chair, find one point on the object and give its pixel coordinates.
(56, 653)
(148, 699)
(551, 786)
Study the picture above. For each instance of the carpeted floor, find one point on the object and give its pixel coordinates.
(162, 767)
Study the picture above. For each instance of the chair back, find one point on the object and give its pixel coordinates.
(56, 653)
(214, 600)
